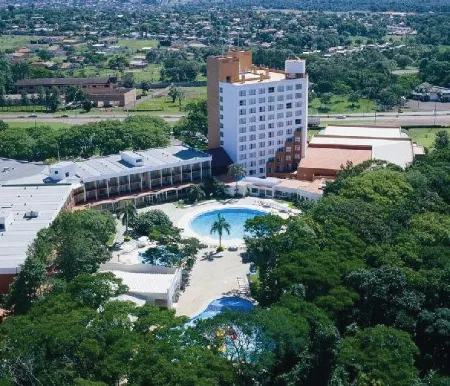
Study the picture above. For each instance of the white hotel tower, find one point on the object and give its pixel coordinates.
(259, 116)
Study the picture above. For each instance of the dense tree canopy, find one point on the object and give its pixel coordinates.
(99, 138)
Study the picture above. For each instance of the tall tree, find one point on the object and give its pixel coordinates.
(219, 226)
(237, 171)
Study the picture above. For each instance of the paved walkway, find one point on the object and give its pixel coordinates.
(222, 275)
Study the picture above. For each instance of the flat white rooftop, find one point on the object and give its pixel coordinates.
(252, 78)
(46, 200)
(146, 283)
(152, 159)
(363, 131)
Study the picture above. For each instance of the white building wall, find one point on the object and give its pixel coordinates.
(255, 125)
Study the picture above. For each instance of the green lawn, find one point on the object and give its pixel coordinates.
(13, 42)
(55, 125)
(340, 105)
(137, 44)
(425, 136)
(164, 104)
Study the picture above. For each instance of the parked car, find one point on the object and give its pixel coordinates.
(341, 117)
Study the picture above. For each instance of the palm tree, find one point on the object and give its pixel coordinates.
(128, 213)
(236, 171)
(219, 226)
(196, 193)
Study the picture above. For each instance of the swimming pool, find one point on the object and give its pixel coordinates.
(236, 217)
(217, 306)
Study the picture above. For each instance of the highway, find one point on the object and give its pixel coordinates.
(387, 118)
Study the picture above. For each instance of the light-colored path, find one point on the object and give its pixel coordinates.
(211, 279)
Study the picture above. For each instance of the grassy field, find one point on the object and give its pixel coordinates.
(11, 42)
(54, 125)
(164, 104)
(425, 136)
(138, 44)
(340, 105)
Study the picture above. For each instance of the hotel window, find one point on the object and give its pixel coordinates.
(252, 146)
(242, 147)
(288, 149)
(298, 113)
(280, 142)
(280, 98)
(252, 119)
(262, 144)
(252, 163)
(262, 100)
(298, 104)
(280, 124)
(271, 135)
(280, 115)
(221, 134)
(242, 112)
(262, 153)
(252, 92)
(221, 143)
(271, 125)
(271, 151)
(298, 86)
(253, 128)
(298, 95)
(252, 110)
(288, 114)
(289, 87)
(262, 90)
(242, 93)
(288, 158)
(271, 117)
(262, 135)
(252, 155)
(298, 139)
(270, 143)
(243, 139)
(242, 156)
(262, 118)
(288, 123)
(221, 116)
(221, 108)
(221, 125)
(242, 102)
(289, 96)
(252, 101)
(221, 99)
(252, 137)
(297, 148)
(262, 161)
(280, 133)
(280, 106)
(242, 121)
(262, 109)
(221, 90)
(261, 170)
(242, 130)
(289, 105)
(280, 88)
(271, 108)
(271, 90)
(271, 99)
(244, 164)
(262, 126)
(288, 131)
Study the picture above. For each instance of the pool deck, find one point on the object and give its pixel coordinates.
(214, 275)
(222, 275)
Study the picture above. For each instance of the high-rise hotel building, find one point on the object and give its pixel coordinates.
(259, 116)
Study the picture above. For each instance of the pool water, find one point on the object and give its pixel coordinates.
(217, 306)
(236, 217)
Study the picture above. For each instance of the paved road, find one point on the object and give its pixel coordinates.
(409, 118)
